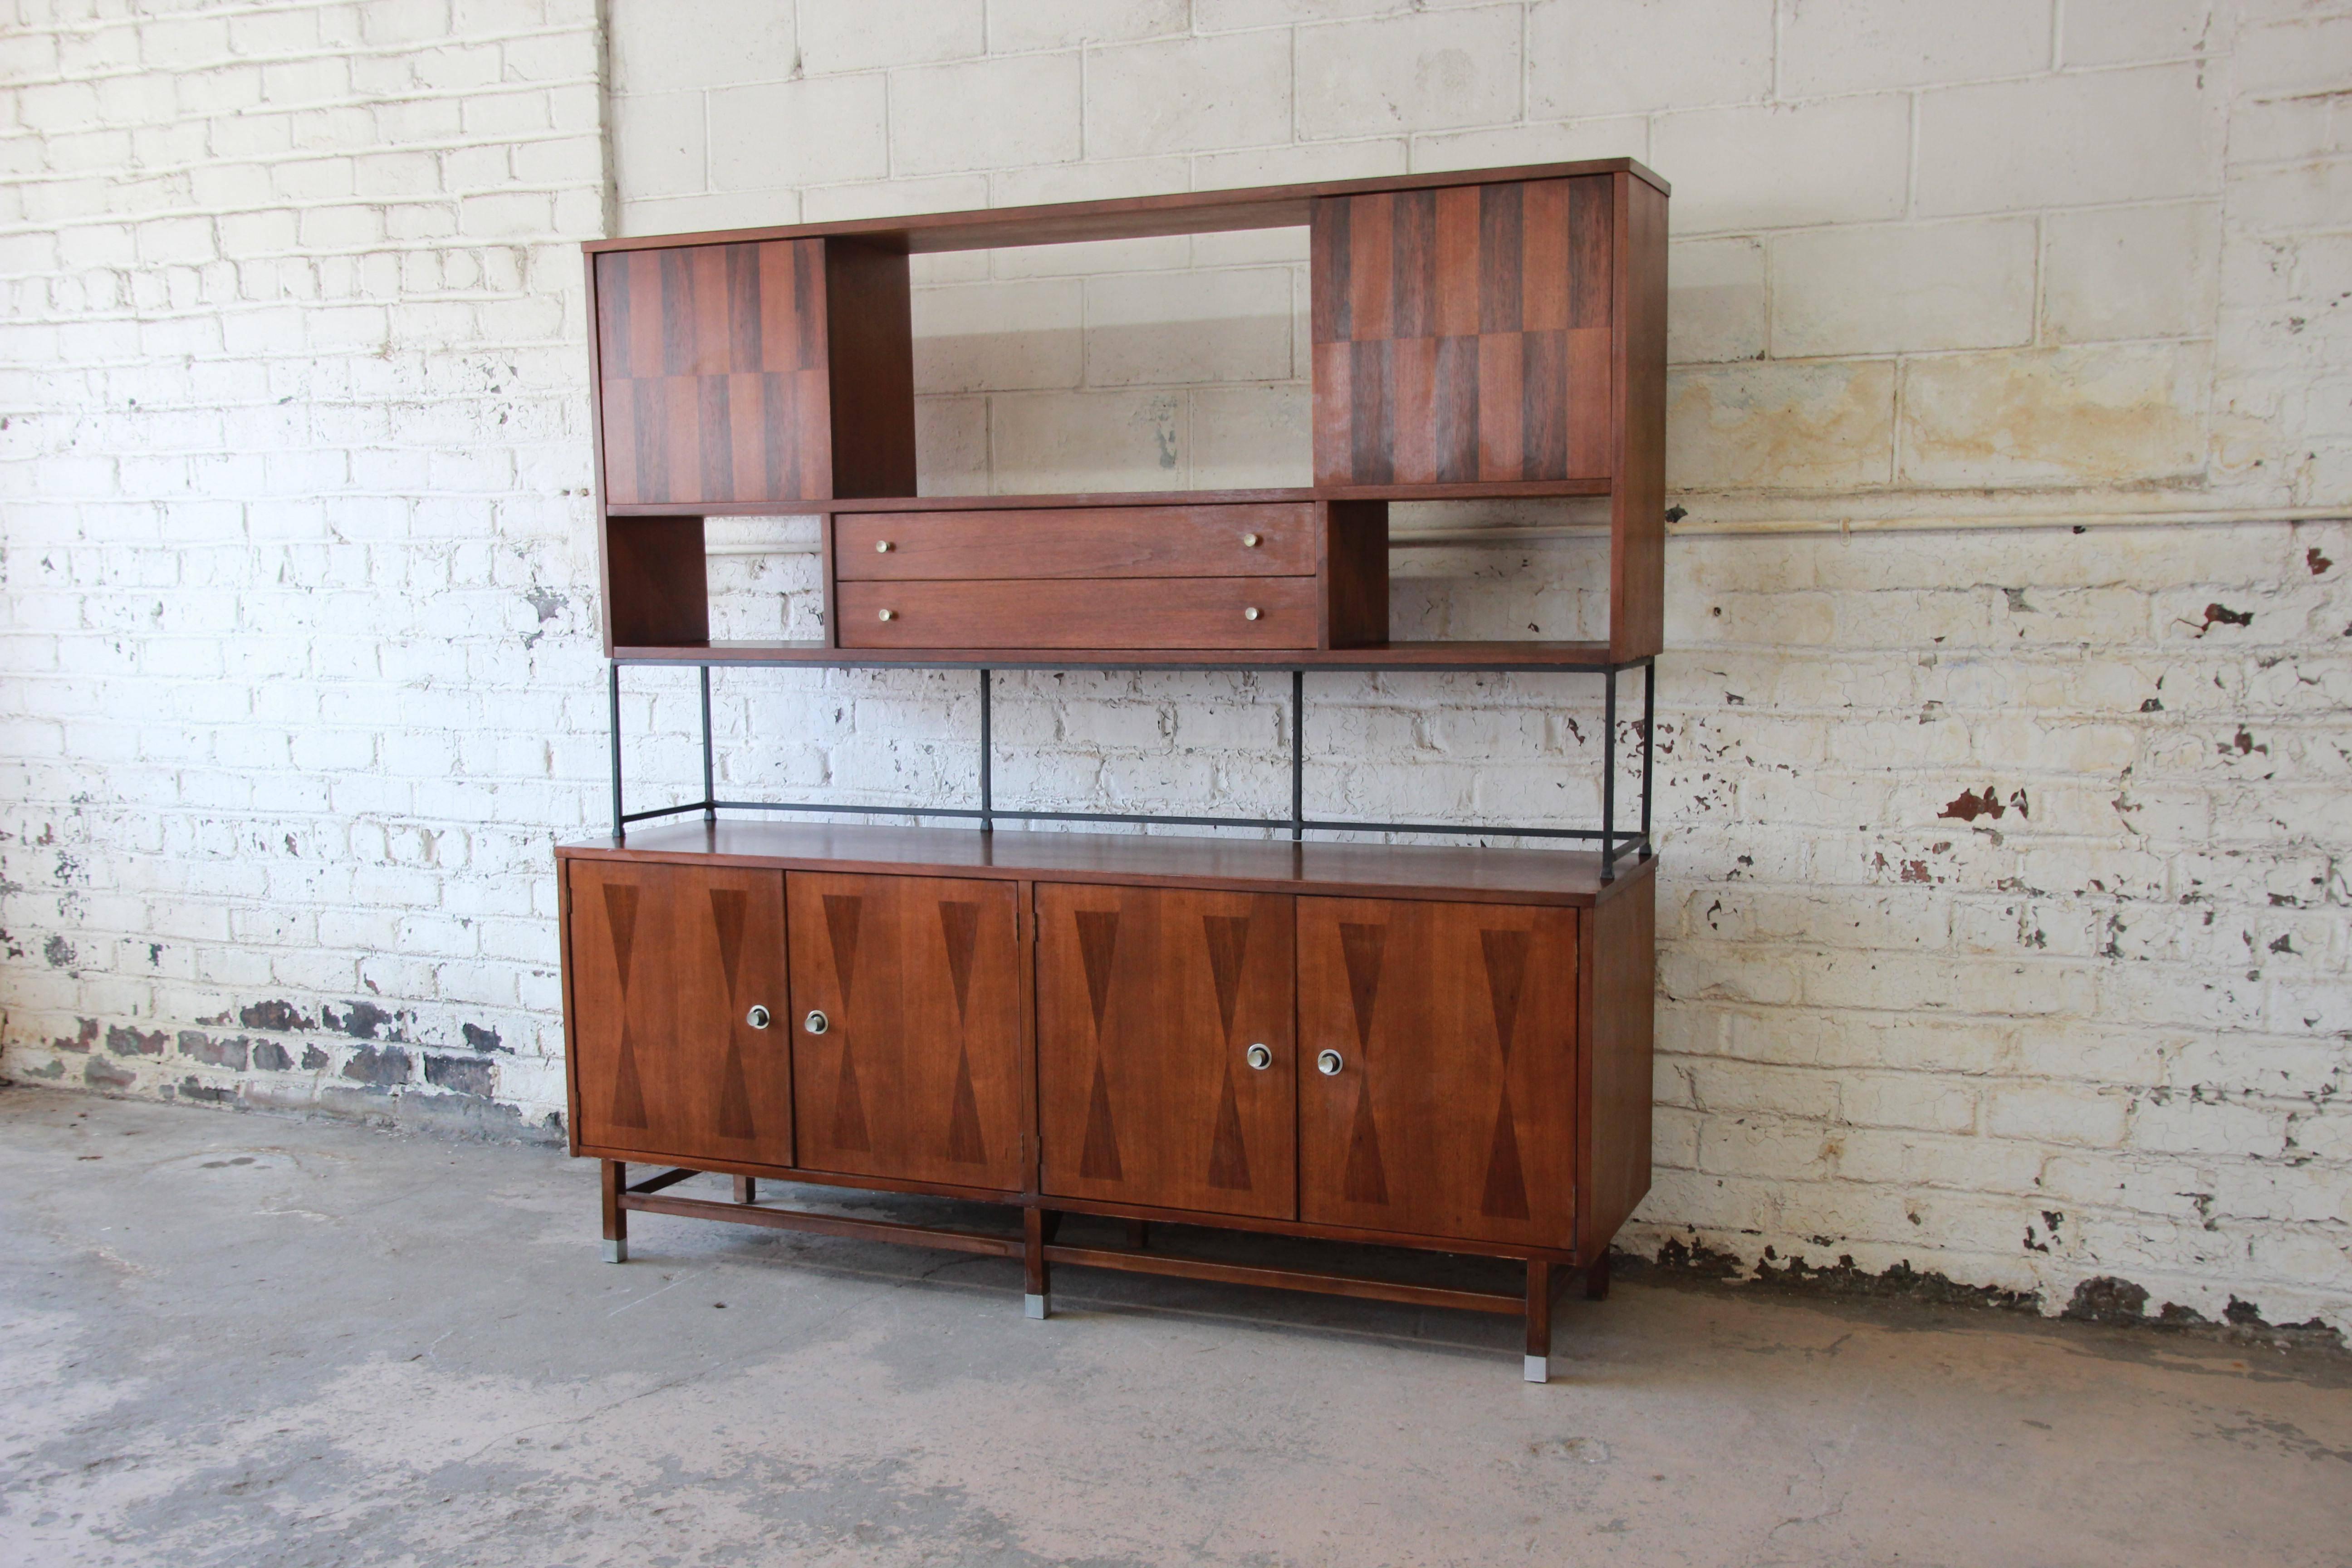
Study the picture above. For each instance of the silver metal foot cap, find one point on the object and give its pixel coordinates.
(1535, 1368)
(617, 1252)
(1033, 1307)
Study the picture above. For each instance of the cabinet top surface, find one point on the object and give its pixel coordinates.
(1345, 870)
(1123, 217)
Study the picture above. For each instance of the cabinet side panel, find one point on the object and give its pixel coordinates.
(1613, 1108)
(870, 338)
(656, 583)
(570, 1006)
(1637, 530)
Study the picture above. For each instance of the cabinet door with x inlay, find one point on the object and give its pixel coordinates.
(1452, 1029)
(667, 965)
(1165, 1072)
(906, 1019)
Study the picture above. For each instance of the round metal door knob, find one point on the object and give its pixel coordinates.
(757, 1018)
(1252, 612)
(881, 547)
(817, 1022)
(1249, 542)
(1259, 1058)
(889, 614)
(1328, 1063)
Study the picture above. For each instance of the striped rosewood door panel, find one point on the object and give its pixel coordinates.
(1462, 335)
(713, 374)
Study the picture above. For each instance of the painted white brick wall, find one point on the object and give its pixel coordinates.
(298, 683)
(2004, 911)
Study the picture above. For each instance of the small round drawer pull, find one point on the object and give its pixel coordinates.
(889, 616)
(1259, 1058)
(757, 1018)
(1249, 542)
(817, 1022)
(1328, 1063)
(1252, 614)
(882, 547)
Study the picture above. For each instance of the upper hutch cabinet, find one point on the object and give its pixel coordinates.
(1481, 333)
(776, 370)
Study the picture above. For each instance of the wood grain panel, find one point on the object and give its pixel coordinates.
(919, 1075)
(666, 961)
(1461, 335)
(1073, 541)
(870, 330)
(1355, 573)
(1129, 217)
(1454, 1111)
(1448, 873)
(1486, 656)
(1637, 529)
(1091, 613)
(1146, 1001)
(1614, 1089)
(713, 374)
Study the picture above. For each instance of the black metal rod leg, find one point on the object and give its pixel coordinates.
(709, 790)
(620, 828)
(987, 752)
(1609, 781)
(1649, 747)
(1297, 758)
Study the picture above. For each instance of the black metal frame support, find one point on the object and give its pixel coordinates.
(1613, 845)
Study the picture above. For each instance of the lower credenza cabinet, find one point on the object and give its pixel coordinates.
(1434, 1049)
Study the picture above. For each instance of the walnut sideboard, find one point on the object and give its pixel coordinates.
(1436, 1048)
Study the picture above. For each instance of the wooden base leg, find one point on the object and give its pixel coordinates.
(1537, 1366)
(1139, 1233)
(1035, 1281)
(747, 1189)
(1596, 1279)
(616, 1218)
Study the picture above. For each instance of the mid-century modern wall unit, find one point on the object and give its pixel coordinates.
(1445, 1048)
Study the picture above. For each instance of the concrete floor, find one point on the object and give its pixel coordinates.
(233, 1340)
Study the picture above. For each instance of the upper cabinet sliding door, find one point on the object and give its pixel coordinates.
(735, 374)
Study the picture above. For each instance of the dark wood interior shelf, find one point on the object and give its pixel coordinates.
(1536, 488)
(1396, 655)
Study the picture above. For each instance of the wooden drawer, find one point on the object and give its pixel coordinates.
(1095, 613)
(1077, 541)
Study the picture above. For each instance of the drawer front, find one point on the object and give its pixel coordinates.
(1271, 541)
(1099, 613)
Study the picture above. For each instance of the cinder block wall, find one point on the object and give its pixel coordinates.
(2003, 737)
